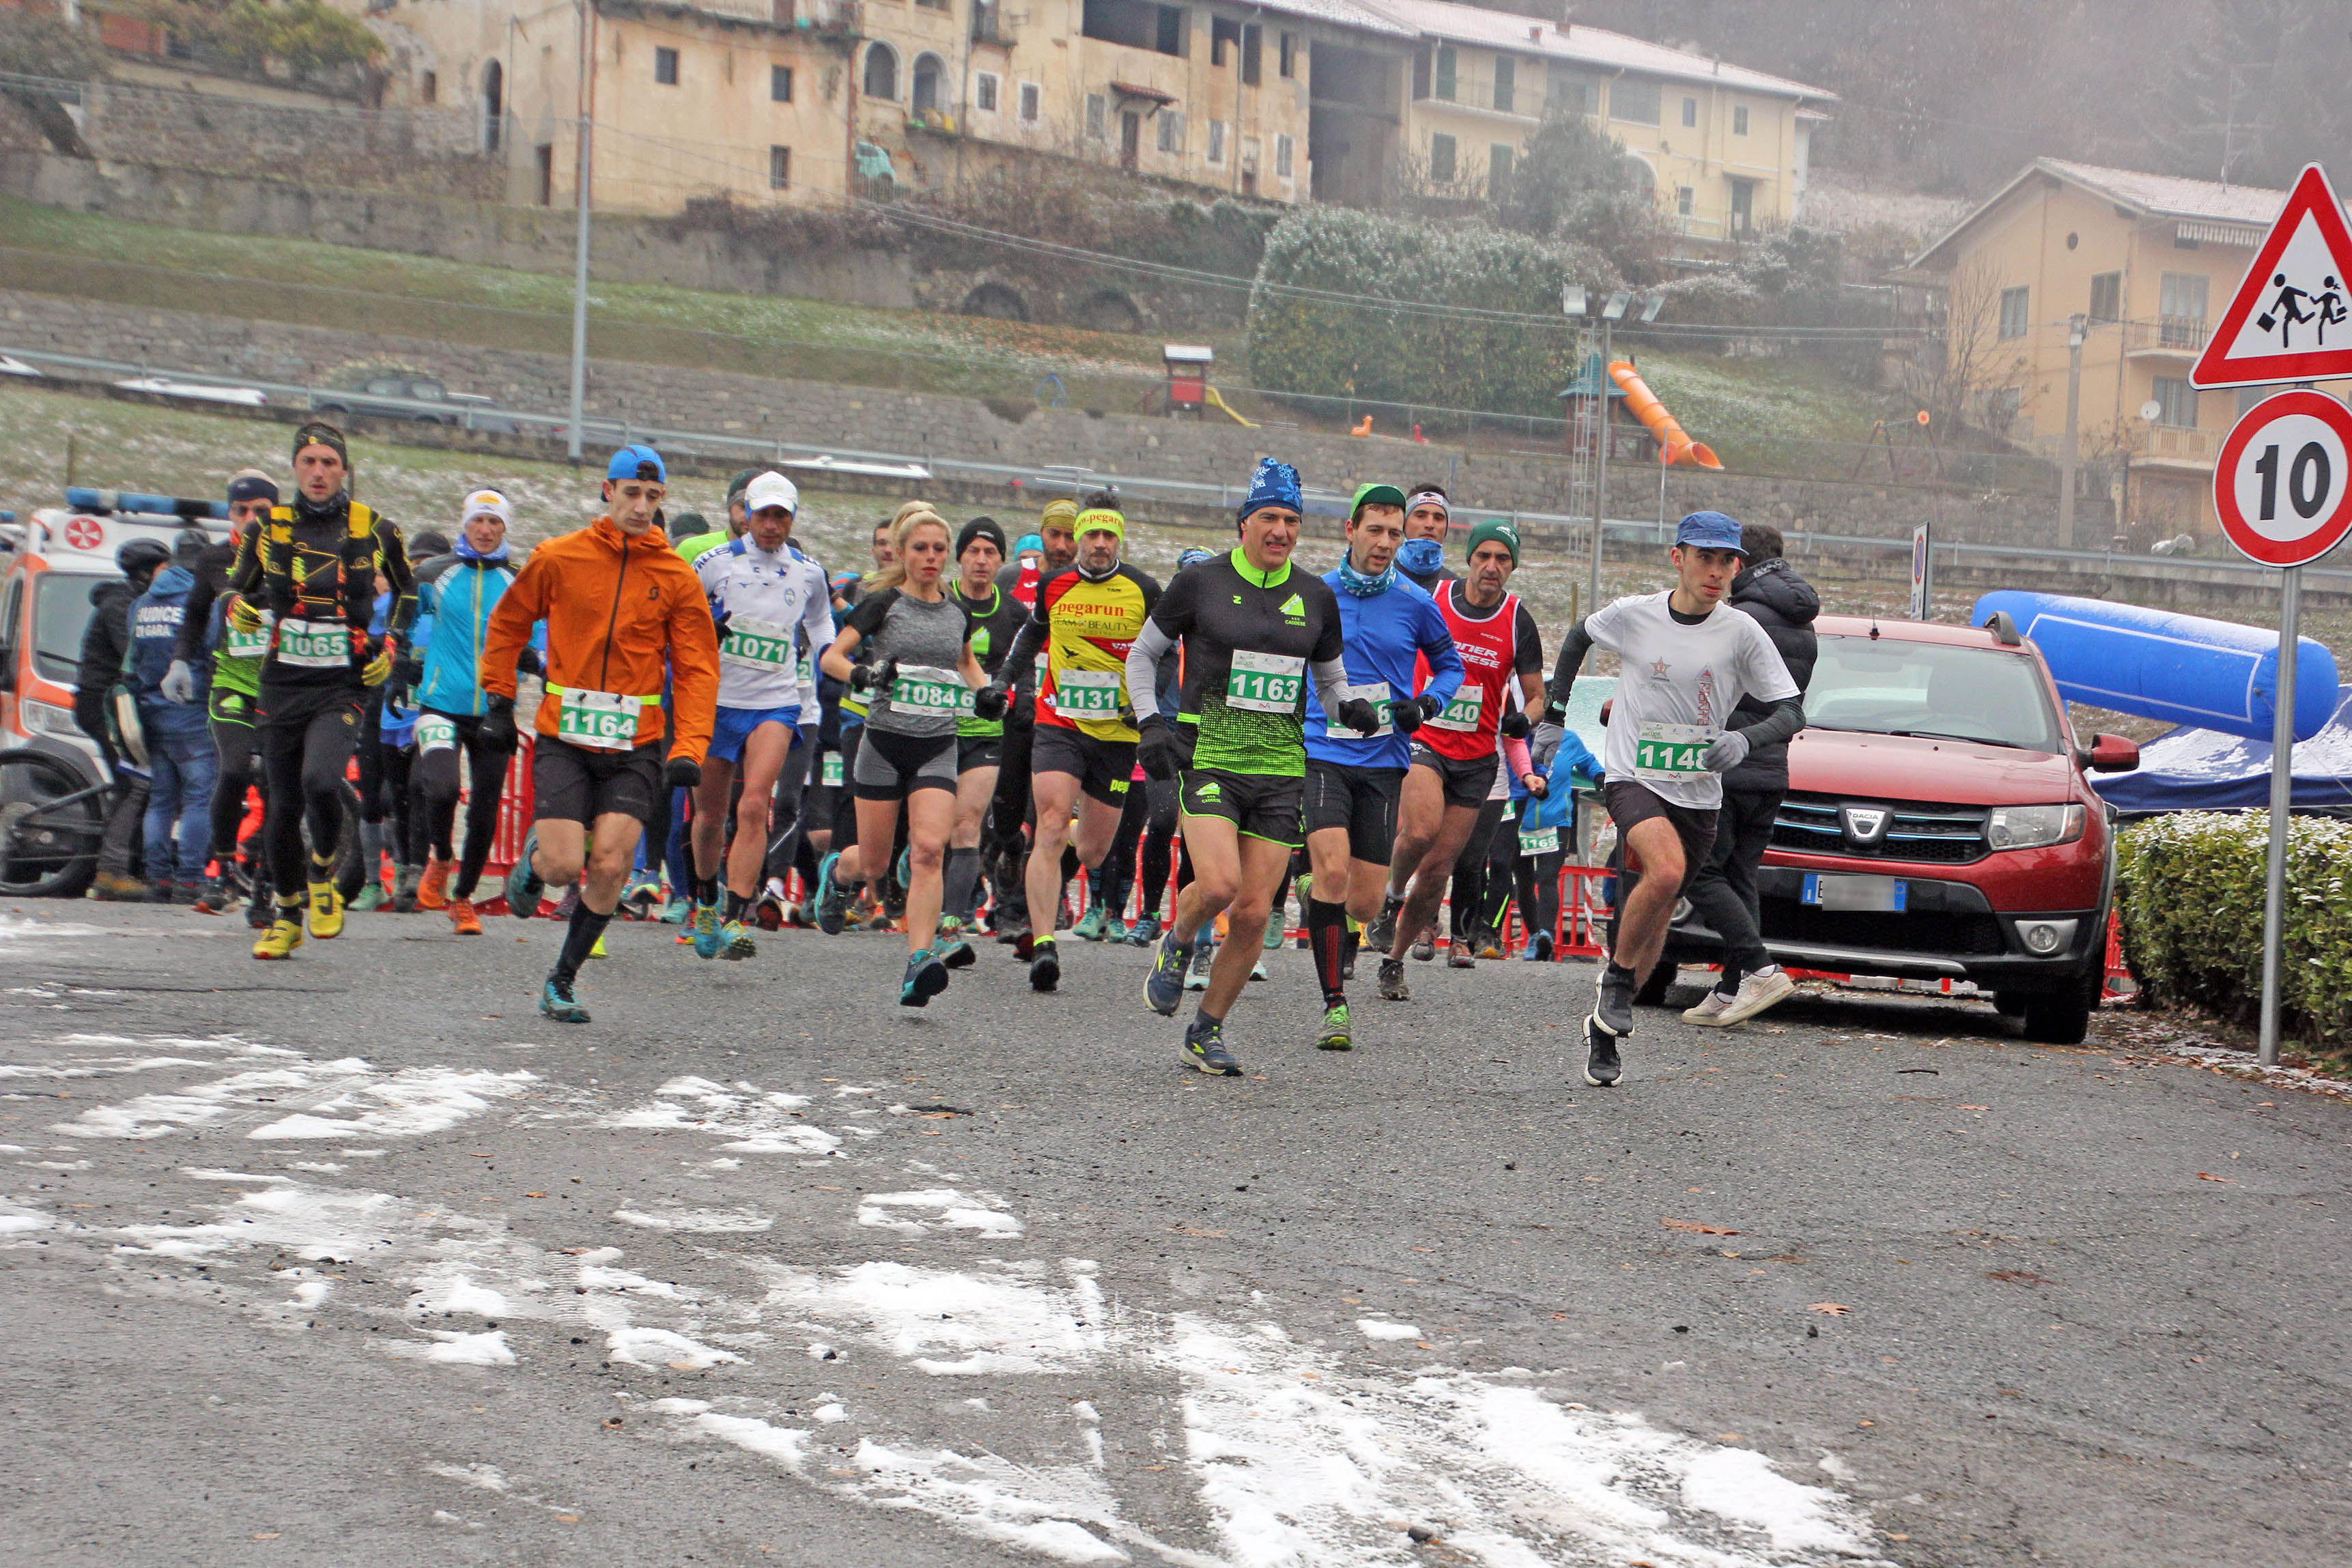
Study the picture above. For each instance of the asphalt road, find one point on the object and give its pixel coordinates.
(355, 1258)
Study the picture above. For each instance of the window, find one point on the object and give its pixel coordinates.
(430, 89)
(780, 168)
(1171, 132)
(1506, 82)
(934, 5)
(1097, 116)
(2016, 312)
(1283, 150)
(1136, 24)
(1498, 173)
(1445, 64)
(881, 72)
(1441, 159)
(2176, 401)
(1572, 91)
(1634, 100)
(1170, 38)
(1216, 141)
(2181, 296)
(1250, 35)
(983, 92)
(1289, 66)
(666, 66)
(1690, 111)
(1686, 200)
(1739, 119)
(2249, 396)
(1743, 207)
(780, 84)
(2107, 297)
(928, 71)
(1223, 35)
(1032, 101)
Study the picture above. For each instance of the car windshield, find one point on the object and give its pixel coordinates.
(60, 610)
(1886, 687)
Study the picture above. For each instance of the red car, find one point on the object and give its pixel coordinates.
(1938, 825)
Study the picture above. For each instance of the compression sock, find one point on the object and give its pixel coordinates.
(587, 926)
(1353, 945)
(704, 889)
(1326, 932)
(737, 903)
(961, 883)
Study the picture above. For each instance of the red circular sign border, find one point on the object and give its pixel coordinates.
(2242, 537)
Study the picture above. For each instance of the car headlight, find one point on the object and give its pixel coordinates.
(47, 719)
(2030, 827)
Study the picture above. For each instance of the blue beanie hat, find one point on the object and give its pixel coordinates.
(1276, 484)
(631, 463)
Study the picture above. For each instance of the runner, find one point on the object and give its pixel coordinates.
(1253, 630)
(622, 612)
(1685, 666)
(1352, 782)
(1054, 546)
(235, 693)
(1083, 751)
(1036, 558)
(388, 753)
(182, 764)
(1454, 755)
(1421, 557)
(459, 592)
(996, 618)
(312, 567)
(919, 679)
(764, 595)
(105, 640)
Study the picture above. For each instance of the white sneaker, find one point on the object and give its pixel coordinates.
(1757, 993)
(1709, 1011)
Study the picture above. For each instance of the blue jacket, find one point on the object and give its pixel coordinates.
(155, 617)
(454, 596)
(1386, 634)
(1573, 766)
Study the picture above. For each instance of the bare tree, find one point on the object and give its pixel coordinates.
(1962, 367)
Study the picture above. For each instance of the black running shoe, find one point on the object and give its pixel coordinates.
(1393, 985)
(1601, 1066)
(1204, 1048)
(1614, 1010)
(926, 977)
(1381, 934)
(1045, 967)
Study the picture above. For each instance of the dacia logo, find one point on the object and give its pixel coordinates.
(1865, 826)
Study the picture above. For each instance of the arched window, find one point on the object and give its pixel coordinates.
(494, 105)
(881, 72)
(928, 69)
(1640, 178)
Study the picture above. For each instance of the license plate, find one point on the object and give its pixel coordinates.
(1880, 895)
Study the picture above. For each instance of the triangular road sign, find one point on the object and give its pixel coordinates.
(2291, 320)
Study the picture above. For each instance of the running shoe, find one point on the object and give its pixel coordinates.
(116, 888)
(556, 1000)
(638, 899)
(796, 915)
(1164, 984)
(1393, 985)
(677, 911)
(1710, 1010)
(569, 904)
(1114, 929)
(1204, 957)
(285, 934)
(1601, 1066)
(523, 885)
(956, 953)
(1381, 934)
(1045, 967)
(463, 921)
(1335, 1035)
(1258, 970)
(1613, 1010)
(832, 901)
(257, 910)
(1538, 948)
(404, 883)
(1144, 932)
(432, 887)
(1089, 928)
(1757, 993)
(215, 896)
(1425, 948)
(1276, 923)
(1459, 953)
(1204, 1048)
(739, 943)
(927, 977)
(1011, 931)
(702, 924)
(369, 898)
(326, 911)
(1490, 942)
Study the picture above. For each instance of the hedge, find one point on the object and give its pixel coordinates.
(2190, 887)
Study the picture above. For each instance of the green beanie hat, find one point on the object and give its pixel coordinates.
(1493, 528)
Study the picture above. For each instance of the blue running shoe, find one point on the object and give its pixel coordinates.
(1163, 984)
(1205, 1048)
(734, 942)
(703, 926)
(675, 910)
(956, 954)
(1089, 928)
(1144, 932)
(831, 902)
(927, 977)
(523, 884)
(557, 1001)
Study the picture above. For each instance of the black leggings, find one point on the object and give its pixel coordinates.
(306, 747)
(1118, 862)
(1539, 882)
(1160, 842)
(1468, 897)
(234, 742)
(432, 802)
(786, 820)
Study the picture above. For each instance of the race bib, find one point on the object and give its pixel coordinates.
(1375, 692)
(1087, 694)
(759, 645)
(924, 691)
(1667, 753)
(1539, 840)
(314, 644)
(1263, 683)
(830, 774)
(253, 644)
(434, 732)
(1462, 712)
(805, 671)
(601, 721)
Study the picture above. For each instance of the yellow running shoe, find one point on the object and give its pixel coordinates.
(283, 936)
(326, 911)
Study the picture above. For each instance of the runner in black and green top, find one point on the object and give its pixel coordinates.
(1253, 630)
(235, 694)
(996, 620)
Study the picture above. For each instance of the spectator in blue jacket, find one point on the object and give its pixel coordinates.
(179, 755)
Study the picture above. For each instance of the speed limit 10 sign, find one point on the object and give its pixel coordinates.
(2282, 487)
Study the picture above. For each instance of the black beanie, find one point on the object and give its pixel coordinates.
(253, 487)
(318, 433)
(980, 528)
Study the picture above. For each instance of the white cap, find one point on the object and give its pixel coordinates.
(771, 489)
(486, 503)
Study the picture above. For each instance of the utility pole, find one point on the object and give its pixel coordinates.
(2070, 453)
(580, 255)
(1600, 461)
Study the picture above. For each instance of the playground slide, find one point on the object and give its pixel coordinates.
(1643, 404)
(1209, 396)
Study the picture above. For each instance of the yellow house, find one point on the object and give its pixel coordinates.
(2146, 261)
(1723, 150)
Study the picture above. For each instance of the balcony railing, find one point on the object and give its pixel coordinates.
(2177, 443)
(2167, 335)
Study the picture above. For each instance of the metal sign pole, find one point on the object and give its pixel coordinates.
(2282, 790)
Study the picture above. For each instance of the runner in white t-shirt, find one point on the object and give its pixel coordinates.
(1685, 664)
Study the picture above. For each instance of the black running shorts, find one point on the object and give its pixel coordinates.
(1102, 768)
(1466, 784)
(1631, 803)
(1361, 799)
(579, 783)
(1262, 806)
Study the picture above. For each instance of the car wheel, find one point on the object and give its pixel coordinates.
(2009, 1004)
(2062, 1019)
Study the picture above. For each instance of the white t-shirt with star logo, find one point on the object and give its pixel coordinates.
(1675, 681)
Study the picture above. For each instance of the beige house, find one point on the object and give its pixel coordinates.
(2148, 261)
(1723, 149)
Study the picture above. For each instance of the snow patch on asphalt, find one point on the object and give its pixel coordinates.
(656, 1348)
(489, 1349)
(343, 1098)
(707, 1221)
(945, 1206)
(754, 1120)
(1376, 1328)
(1002, 1321)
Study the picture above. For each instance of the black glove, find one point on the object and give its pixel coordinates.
(681, 773)
(1407, 714)
(991, 701)
(499, 725)
(1025, 711)
(1359, 714)
(529, 662)
(878, 676)
(719, 620)
(1156, 747)
(1513, 726)
(407, 672)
